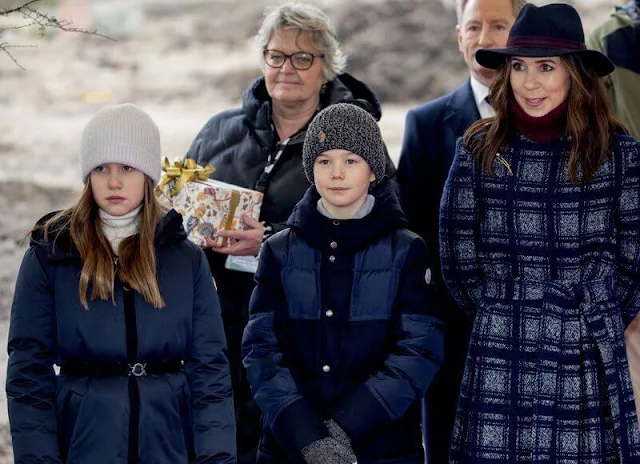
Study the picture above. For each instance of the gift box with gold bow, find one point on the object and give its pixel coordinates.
(206, 205)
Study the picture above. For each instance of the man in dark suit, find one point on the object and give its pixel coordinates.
(431, 132)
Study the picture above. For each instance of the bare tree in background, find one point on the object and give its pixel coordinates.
(34, 18)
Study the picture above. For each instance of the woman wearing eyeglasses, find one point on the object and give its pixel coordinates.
(259, 146)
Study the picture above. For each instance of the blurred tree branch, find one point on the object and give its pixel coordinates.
(34, 18)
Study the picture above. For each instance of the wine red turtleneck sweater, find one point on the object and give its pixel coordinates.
(551, 126)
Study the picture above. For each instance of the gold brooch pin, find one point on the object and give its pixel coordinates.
(505, 163)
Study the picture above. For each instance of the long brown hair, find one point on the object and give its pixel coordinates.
(136, 263)
(590, 121)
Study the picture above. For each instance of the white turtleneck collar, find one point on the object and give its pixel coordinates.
(117, 228)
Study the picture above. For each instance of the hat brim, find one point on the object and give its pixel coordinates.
(592, 59)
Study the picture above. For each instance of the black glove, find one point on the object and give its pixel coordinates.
(327, 451)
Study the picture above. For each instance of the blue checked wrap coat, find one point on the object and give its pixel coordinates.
(549, 273)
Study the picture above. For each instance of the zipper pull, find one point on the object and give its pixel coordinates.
(505, 163)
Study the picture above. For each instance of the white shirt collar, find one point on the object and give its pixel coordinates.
(480, 93)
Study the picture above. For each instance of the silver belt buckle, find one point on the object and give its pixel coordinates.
(138, 369)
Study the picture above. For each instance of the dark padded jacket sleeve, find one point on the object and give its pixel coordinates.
(30, 375)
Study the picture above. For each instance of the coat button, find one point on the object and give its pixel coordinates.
(332, 259)
(333, 245)
(326, 368)
(336, 222)
(329, 313)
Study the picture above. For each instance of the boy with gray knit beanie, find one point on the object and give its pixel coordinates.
(344, 335)
(347, 140)
(345, 127)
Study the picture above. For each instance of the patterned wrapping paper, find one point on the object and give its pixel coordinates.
(208, 206)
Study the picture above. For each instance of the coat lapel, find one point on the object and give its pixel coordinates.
(461, 110)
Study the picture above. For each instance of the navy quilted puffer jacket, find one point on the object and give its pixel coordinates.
(93, 412)
(343, 325)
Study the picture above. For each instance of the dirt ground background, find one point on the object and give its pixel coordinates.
(183, 61)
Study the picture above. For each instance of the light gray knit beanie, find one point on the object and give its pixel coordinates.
(121, 134)
(344, 126)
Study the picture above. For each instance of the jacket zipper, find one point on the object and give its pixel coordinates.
(131, 331)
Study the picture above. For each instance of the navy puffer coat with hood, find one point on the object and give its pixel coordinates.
(345, 325)
(88, 414)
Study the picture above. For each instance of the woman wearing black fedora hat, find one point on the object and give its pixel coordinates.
(540, 245)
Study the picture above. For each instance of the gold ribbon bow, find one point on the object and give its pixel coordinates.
(183, 172)
(228, 225)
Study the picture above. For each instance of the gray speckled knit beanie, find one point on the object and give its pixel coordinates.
(121, 134)
(344, 127)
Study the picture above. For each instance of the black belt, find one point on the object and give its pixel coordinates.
(139, 369)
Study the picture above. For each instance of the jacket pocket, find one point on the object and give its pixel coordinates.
(172, 415)
(372, 295)
(184, 403)
(68, 405)
(302, 287)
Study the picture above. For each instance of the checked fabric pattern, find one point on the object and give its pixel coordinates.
(549, 272)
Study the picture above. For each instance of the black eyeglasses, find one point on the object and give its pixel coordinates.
(299, 60)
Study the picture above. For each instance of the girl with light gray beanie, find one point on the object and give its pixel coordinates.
(111, 291)
(345, 332)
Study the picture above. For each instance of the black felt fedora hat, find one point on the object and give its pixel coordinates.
(550, 30)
